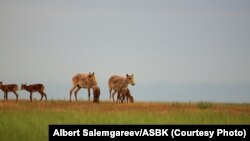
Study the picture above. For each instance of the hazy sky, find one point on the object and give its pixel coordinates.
(185, 50)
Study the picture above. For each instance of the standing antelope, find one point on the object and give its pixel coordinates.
(125, 93)
(82, 80)
(34, 88)
(9, 88)
(118, 83)
(96, 94)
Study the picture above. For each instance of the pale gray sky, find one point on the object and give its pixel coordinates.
(185, 50)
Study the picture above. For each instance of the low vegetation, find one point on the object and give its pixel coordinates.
(28, 121)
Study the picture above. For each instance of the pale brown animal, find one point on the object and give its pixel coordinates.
(96, 94)
(82, 80)
(34, 88)
(117, 83)
(9, 88)
(125, 93)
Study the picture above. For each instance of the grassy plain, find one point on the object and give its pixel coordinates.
(25, 121)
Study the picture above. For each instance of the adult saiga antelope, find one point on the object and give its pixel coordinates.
(118, 83)
(83, 80)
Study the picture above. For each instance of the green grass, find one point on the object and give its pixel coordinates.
(29, 121)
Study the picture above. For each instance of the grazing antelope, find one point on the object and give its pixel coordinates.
(9, 88)
(117, 83)
(125, 93)
(34, 88)
(82, 80)
(96, 93)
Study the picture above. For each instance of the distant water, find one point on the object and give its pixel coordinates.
(231, 93)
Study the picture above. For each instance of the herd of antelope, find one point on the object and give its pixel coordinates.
(117, 85)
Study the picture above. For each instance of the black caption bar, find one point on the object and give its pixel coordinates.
(170, 132)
